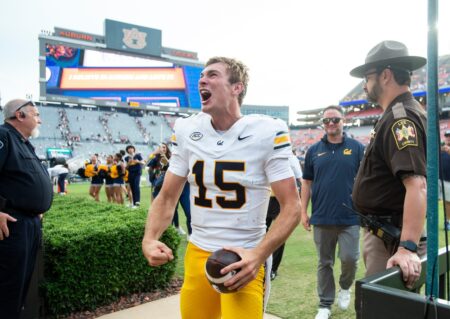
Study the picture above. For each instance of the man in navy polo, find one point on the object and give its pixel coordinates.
(445, 164)
(329, 171)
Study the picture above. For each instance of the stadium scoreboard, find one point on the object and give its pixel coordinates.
(126, 68)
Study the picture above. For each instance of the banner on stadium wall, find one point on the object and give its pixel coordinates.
(132, 38)
(123, 78)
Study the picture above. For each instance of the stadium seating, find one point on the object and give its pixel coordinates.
(124, 126)
(89, 131)
(50, 122)
(85, 123)
(157, 128)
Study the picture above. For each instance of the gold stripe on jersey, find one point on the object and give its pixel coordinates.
(173, 139)
(281, 140)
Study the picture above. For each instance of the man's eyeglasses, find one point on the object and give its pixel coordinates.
(327, 120)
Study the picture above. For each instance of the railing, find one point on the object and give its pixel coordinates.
(384, 295)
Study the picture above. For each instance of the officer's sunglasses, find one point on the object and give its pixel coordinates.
(22, 106)
(327, 120)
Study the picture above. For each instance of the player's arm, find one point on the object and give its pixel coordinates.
(160, 216)
(287, 195)
(306, 195)
(413, 223)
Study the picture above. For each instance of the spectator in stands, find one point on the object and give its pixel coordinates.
(445, 176)
(391, 183)
(134, 163)
(330, 168)
(274, 210)
(25, 194)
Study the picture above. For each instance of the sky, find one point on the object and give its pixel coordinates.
(299, 52)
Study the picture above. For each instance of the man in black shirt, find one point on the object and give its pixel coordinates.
(391, 181)
(25, 194)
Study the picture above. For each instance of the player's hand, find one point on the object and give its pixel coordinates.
(409, 263)
(249, 265)
(305, 221)
(156, 252)
(4, 219)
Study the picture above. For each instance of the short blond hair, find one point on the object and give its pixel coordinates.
(237, 71)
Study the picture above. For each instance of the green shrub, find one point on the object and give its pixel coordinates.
(92, 254)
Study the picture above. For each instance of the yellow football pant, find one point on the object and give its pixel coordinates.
(199, 300)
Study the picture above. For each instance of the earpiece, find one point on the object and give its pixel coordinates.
(22, 115)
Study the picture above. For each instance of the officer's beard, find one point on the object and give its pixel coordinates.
(374, 94)
(35, 132)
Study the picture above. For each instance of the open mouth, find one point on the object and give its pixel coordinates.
(205, 95)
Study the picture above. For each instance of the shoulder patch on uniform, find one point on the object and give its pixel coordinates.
(399, 111)
(405, 133)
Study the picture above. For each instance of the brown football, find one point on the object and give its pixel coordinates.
(218, 260)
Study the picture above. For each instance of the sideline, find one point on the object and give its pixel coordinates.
(165, 308)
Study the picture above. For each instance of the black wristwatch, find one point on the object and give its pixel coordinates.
(409, 245)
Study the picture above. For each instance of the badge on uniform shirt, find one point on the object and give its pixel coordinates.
(405, 133)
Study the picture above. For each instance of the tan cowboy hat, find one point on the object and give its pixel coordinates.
(389, 53)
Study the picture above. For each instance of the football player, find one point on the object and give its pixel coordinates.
(230, 161)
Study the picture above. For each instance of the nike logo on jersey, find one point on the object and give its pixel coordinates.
(320, 154)
(243, 138)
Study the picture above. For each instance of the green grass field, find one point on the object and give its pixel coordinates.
(293, 293)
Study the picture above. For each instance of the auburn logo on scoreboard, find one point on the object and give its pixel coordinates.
(134, 39)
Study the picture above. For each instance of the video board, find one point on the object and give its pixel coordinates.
(100, 75)
(126, 67)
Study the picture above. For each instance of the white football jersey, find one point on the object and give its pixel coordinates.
(230, 176)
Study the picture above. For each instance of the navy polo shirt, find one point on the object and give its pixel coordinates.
(24, 181)
(445, 162)
(332, 169)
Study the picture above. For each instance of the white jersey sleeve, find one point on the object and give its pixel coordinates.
(278, 167)
(295, 166)
(179, 164)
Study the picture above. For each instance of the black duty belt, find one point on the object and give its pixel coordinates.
(394, 219)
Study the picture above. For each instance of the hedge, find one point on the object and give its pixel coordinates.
(92, 255)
